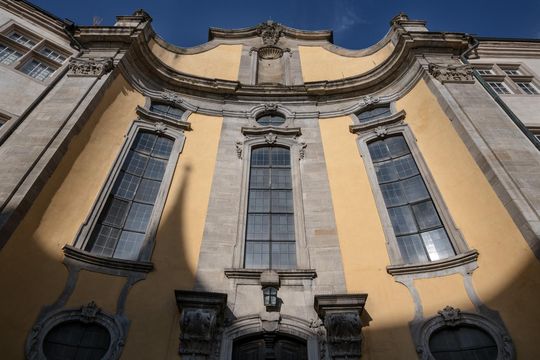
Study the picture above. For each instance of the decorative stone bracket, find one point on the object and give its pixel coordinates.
(452, 73)
(340, 315)
(201, 320)
(90, 67)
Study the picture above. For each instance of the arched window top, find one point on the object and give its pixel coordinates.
(275, 346)
(374, 113)
(462, 342)
(168, 110)
(271, 119)
(77, 340)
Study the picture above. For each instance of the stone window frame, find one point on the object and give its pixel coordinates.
(270, 136)
(116, 325)
(263, 109)
(510, 81)
(146, 121)
(394, 125)
(452, 317)
(32, 53)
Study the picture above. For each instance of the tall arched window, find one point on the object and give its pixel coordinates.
(420, 233)
(121, 227)
(270, 231)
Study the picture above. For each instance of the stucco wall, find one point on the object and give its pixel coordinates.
(221, 62)
(319, 64)
(507, 274)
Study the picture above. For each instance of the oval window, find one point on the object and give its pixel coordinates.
(462, 343)
(271, 119)
(76, 340)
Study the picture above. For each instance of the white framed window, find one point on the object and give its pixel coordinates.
(22, 39)
(499, 87)
(485, 71)
(37, 69)
(527, 87)
(52, 54)
(8, 55)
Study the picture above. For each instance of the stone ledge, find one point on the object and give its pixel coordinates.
(387, 120)
(110, 263)
(154, 117)
(455, 261)
(294, 131)
(308, 274)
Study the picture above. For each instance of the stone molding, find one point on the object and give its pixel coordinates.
(434, 266)
(452, 73)
(77, 254)
(89, 313)
(89, 67)
(379, 126)
(161, 121)
(452, 317)
(201, 321)
(340, 315)
(267, 130)
(255, 274)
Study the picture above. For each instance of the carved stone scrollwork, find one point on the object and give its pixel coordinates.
(340, 315)
(239, 148)
(302, 150)
(450, 315)
(172, 97)
(89, 67)
(201, 321)
(381, 131)
(160, 127)
(369, 100)
(270, 107)
(270, 138)
(452, 73)
(270, 32)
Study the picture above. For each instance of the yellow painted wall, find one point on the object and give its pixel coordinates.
(155, 333)
(363, 247)
(221, 62)
(507, 279)
(319, 64)
(31, 271)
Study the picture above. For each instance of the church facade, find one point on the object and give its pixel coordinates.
(267, 194)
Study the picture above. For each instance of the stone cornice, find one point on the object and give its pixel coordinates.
(508, 48)
(217, 33)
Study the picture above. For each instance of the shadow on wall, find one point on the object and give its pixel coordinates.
(32, 273)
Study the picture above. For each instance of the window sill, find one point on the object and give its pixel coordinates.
(449, 263)
(284, 274)
(106, 262)
(263, 130)
(369, 125)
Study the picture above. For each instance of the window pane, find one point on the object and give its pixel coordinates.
(21, 39)
(126, 186)
(462, 342)
(258, 227)
(135, 163)
(281, 178)
(393, 194)
(76, 340)
(405, 166)
(283, 254)
(271, 120)
(163, 147)
(257, 255)
(378, 151)
(386, 171)
(282, 201)
(129, 245)
(397, 146)
(437, 244)
(37, 69)
(283, 227)
(260, 178)
(155, 169)
(281, 156)
(148, 191)
(411, 249)
(426, 215)
(8, 55)
(138, 217)
(260, 156)
(415, 189)
(402, 220)
(259, 201)
(115, 212)
(378, 112)
(105, 240)
(144, 142)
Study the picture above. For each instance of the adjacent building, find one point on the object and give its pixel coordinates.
(267, 194)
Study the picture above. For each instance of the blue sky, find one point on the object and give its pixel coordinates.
(356, 23)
